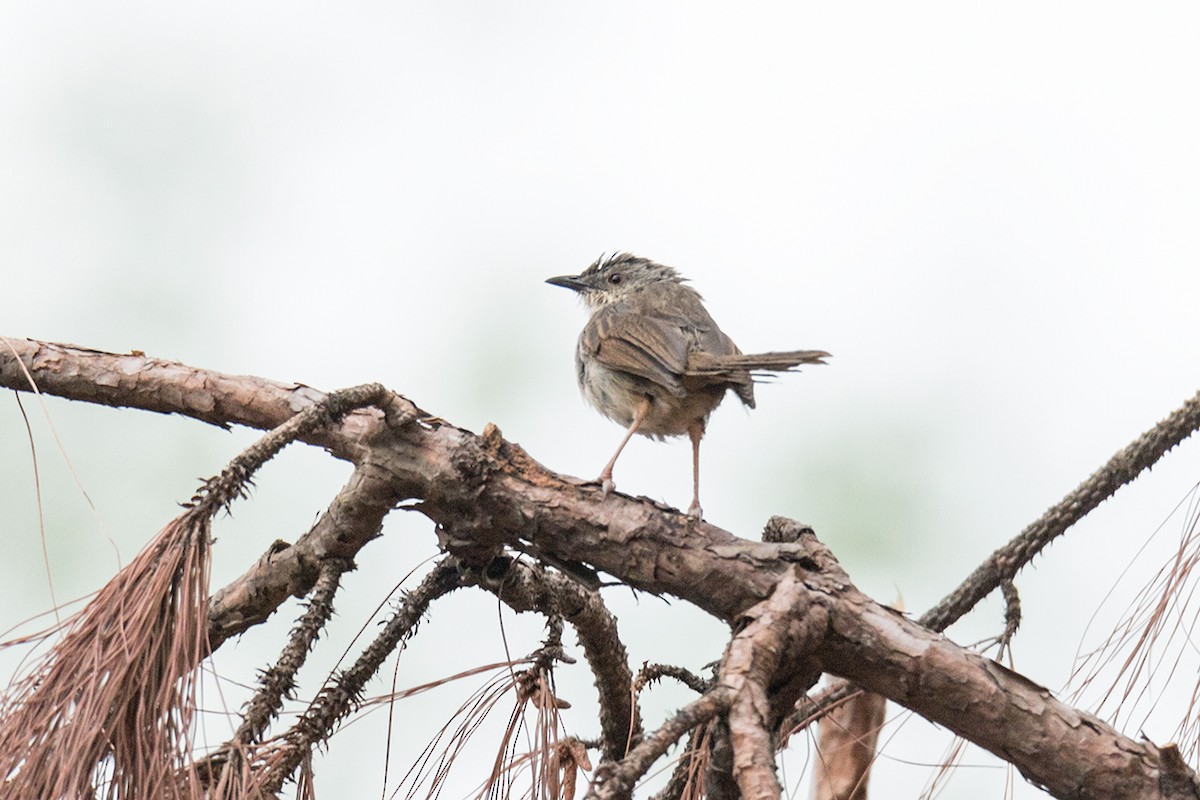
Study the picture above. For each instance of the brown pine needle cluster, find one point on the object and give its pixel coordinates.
(1153, 639)
(551, 764)
(107, 713)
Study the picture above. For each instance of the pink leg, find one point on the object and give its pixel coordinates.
(605, 480)
(695, 431)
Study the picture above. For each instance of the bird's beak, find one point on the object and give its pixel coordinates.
(571, 282)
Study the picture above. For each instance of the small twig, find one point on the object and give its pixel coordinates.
(615, 780)
(652, 673)
(1012, 617)
(279, 681)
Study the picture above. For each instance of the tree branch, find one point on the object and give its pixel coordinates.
(336, 700)
(486, 495)
(353, 518)
(1123, 467)
(1003, 565)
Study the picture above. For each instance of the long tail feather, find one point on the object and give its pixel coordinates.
(700, 364)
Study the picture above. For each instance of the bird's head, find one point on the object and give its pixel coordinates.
(617, 276)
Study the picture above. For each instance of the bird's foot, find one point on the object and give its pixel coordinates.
(695, 511)
(606, 483)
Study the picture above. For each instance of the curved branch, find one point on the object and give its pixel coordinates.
(353, 518)
(527, 587)
(652, 673)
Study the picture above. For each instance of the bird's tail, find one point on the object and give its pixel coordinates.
(705, 364)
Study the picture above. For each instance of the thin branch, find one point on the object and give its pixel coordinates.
(1138, 455)
(337, 700)
(219, 492)
(228, 772)
(279, 681)
(652, 673)
(1003, 565)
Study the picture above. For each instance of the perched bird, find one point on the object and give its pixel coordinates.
(652, 359)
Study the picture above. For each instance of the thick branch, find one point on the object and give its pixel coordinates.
(135, 380)
(786, 628)
(1068, 752)
(1002, 566)
(353, 518)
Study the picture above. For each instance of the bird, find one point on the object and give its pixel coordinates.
(652, 359)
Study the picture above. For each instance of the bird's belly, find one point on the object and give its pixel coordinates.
(618, 395)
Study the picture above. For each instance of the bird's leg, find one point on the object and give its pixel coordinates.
(695, 431)
(605, 480)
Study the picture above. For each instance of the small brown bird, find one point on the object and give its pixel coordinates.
(652, 359)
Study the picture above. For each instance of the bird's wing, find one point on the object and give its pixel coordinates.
(650, 345)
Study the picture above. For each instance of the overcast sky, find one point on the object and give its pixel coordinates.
(988, 214)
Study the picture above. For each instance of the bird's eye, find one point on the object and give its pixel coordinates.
(615, 278)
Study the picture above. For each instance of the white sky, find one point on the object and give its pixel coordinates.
(988, 215)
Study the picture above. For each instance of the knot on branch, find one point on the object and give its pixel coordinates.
(782, 529)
